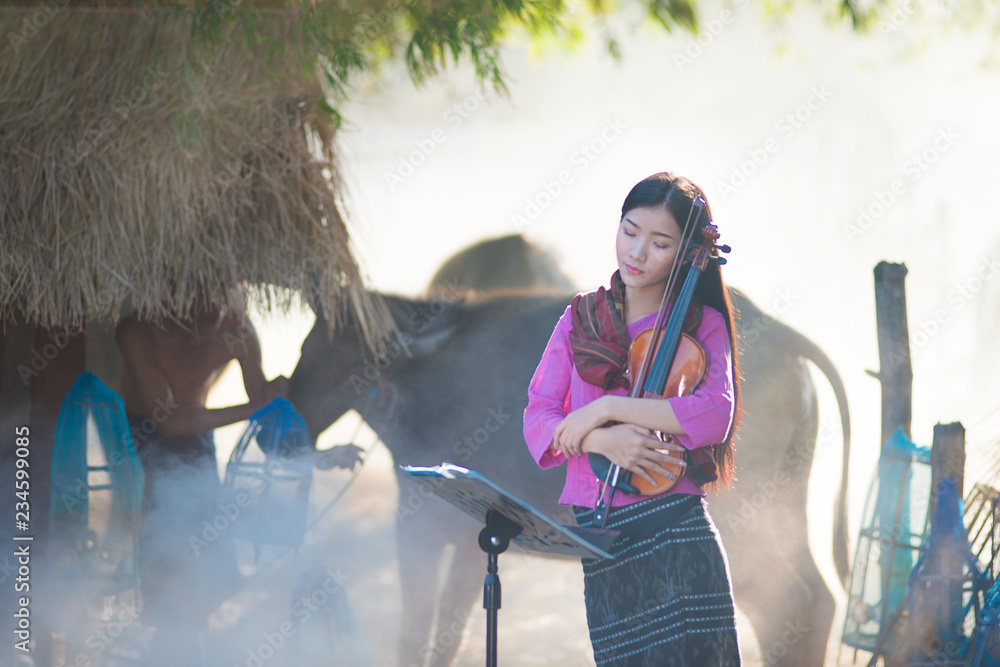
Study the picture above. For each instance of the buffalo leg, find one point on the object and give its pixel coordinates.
(420, 545)
(462, 587)
(784, 594)
(426, 526)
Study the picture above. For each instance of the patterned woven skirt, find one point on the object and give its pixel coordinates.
(665, 598)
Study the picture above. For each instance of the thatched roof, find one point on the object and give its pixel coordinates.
(132, 173)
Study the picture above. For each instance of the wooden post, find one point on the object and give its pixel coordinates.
(103, 357)
(895, 372)
(62, 354)
(948, 458)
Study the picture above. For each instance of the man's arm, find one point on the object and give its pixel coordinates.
(245, 346)
(242, 341)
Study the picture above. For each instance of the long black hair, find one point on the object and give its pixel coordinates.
(678, 194)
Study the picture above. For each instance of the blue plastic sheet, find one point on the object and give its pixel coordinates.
(895, 520)
(96, 494)
(269, 476)
(944, 587)
(986, 650)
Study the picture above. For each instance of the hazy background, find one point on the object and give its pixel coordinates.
(791, 129)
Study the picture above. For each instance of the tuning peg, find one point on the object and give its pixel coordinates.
(723, 248)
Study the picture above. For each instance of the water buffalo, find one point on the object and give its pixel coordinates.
(459, 397)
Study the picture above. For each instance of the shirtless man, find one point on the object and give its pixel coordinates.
(167, 371)
(170, 367)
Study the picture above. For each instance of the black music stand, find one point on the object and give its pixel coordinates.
(507, 518)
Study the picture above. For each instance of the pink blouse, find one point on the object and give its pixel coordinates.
(557, 389)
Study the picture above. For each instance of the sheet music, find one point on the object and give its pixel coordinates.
(475, 495)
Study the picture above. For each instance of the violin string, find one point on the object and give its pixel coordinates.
(687, 235)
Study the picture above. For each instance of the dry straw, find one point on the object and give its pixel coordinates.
(130, 174)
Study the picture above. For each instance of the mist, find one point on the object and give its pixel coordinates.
(822, 153)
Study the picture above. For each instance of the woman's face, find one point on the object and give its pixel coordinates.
(647, 242)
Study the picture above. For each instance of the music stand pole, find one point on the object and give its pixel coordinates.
(494, 539)
(507, 517)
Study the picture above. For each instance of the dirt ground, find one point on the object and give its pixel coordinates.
(541, 621)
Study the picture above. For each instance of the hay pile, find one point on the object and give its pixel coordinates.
(137, 170)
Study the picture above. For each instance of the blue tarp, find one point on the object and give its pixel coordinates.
(269, 475)
(895, 519)
(986, 650)
(96, 494)
(943, 587)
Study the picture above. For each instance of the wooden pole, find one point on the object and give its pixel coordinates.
(103, 357)
(895, 372)
(947, 458)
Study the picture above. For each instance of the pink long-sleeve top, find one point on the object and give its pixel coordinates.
(557, 389)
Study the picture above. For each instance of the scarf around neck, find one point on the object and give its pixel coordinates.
(599, 339)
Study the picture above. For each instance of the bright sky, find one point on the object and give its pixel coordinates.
(819, 162)
(822, 153)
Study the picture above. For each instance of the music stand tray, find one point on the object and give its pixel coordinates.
(507, 517)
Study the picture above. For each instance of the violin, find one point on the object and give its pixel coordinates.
(687, 372)
(664, 361)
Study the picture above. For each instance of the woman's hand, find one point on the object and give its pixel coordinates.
(636, 449)
(569, 435)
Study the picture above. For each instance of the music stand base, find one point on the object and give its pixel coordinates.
(494, 539)
(507, 516)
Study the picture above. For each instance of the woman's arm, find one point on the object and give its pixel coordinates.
(636, 449)
(649, 414)
(548, 395)
(704, 415)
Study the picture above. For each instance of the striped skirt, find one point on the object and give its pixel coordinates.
(665, 598)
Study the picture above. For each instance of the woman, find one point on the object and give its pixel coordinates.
(665, 598)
